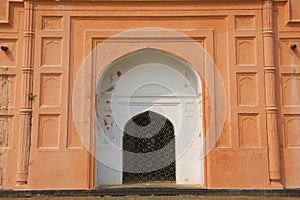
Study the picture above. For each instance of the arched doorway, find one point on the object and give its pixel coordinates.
(140, 136)
(149, 82)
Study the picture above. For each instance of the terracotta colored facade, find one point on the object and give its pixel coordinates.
(251, 43)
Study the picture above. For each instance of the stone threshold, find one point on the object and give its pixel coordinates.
(152, 191)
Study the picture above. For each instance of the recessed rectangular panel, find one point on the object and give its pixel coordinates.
(291, 90)
(245, 51)
(7, 92)
(292, 130)
(247, 89)
(3, 13)
(288, 56)
(50, 90)
(248, 130)
(51, 23)
(5, 130)
(8, 57)
(51, 51)
(244, 22)
(49, 128)
(294, 10)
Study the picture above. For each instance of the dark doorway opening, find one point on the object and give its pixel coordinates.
(149, 149)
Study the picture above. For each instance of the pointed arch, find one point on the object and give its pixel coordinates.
(148, 132)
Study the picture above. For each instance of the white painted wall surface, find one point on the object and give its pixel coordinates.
(156, 81)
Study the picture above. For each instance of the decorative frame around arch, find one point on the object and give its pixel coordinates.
(98, 60)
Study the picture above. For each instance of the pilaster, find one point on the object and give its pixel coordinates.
(270, 94)
(26, 92)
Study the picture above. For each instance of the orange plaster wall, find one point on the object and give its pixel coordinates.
(64, 34)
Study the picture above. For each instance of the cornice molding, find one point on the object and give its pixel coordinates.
(4, 4)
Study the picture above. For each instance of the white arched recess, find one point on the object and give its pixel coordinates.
(149, 79)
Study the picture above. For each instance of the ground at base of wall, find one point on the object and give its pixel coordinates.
(180, 197)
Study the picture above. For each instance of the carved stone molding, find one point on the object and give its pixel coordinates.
(270, 95)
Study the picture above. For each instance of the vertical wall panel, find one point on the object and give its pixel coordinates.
(289, 85)
(246, 107)
(9, 102)
(61, 161)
